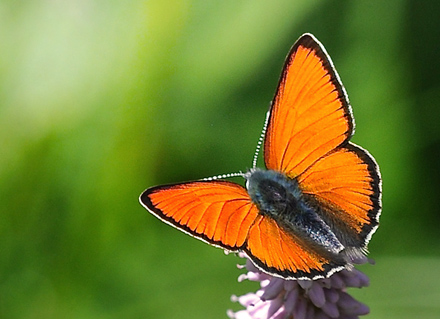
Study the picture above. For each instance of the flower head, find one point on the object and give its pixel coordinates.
(301, 299)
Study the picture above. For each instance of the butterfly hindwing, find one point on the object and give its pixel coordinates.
(345, 185)
(279, 251)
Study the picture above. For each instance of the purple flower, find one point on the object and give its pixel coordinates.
(301, 299)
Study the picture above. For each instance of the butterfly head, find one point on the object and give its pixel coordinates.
(271, 191)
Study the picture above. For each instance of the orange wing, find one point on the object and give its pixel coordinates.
(222, 214)
(346, 186)
(218, 212)
(307, 138)
(310, 114)
(280, 252)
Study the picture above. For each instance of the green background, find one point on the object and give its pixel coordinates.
(102, 99)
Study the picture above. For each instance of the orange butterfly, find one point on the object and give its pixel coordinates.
(318, 203)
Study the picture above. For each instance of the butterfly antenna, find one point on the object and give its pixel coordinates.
(223, 176)
(260, 140)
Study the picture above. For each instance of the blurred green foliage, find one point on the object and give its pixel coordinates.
(100, 100)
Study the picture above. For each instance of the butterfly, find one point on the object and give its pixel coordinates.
(314, 208)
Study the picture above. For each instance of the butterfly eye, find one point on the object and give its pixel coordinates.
(273, 192)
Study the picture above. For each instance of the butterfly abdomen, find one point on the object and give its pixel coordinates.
(280, 198)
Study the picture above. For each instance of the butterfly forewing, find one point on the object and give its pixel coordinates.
(310, 114)
(218, 212)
